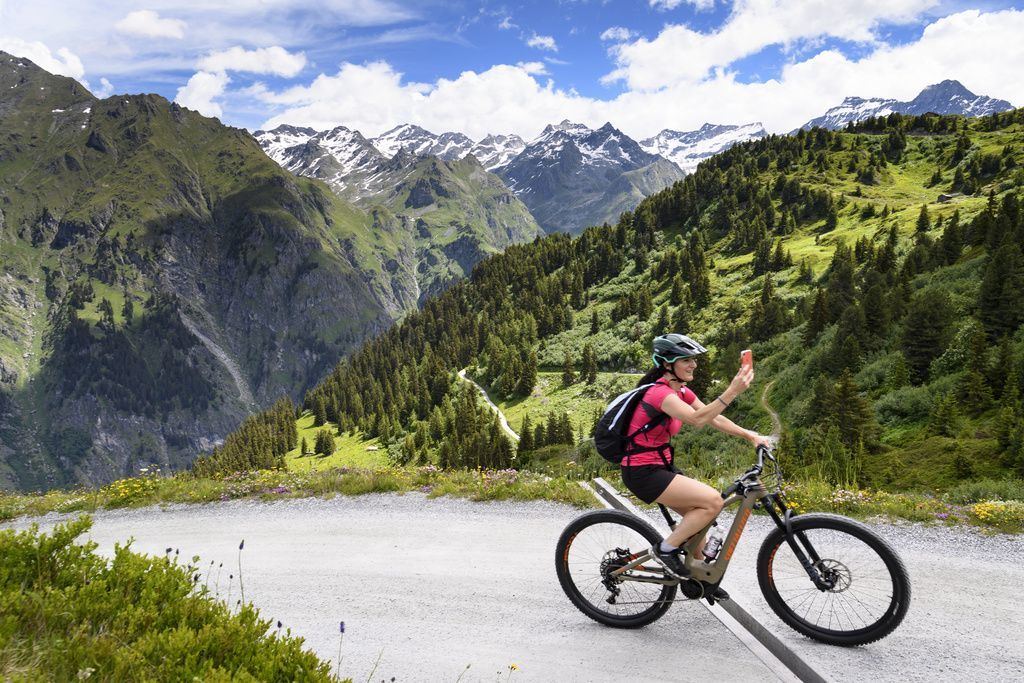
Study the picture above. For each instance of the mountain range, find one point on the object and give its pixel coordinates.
(947, 97)
(569, 177)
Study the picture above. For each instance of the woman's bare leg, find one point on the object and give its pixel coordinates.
(696, 501)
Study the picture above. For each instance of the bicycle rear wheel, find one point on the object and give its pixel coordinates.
(593, 546)
(865, 589)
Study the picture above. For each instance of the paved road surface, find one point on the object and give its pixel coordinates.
(434, 585)
(429, 585)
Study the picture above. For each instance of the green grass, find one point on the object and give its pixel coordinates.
(352, 451)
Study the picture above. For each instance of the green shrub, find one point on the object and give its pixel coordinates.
(68, 614)
(908, 404)
(986, 489)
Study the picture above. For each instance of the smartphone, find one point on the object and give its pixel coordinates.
(747, 358)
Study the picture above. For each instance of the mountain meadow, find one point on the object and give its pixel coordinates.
(876, 272)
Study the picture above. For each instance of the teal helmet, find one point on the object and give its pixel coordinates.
(669, 348)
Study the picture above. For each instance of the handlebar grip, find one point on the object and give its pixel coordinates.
(730, 490)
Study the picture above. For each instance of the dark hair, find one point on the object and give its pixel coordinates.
(653, 375)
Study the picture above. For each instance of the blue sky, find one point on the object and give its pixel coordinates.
(486, 66)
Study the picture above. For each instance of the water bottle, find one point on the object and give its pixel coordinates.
(712, 545)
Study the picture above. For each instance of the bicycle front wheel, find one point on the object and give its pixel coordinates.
(863, 593)
(591, 548)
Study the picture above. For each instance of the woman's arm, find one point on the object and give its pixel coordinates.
(698, 414)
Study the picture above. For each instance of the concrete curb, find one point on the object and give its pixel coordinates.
(783, 662)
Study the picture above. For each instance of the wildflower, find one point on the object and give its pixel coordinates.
(341, 627)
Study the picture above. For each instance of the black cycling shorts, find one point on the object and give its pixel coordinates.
(647, 482)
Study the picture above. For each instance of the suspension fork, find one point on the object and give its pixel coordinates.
(784, 522)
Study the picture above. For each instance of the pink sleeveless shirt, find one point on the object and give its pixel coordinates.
(660, 434)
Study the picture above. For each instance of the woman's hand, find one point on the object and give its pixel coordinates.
(741, 382)
(761, 440)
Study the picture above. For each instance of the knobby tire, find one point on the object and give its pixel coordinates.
(587, 542)
(871, 592)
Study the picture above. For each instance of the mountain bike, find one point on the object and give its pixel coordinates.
(828, 577)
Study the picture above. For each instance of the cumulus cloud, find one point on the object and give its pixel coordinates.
(618, 34)
(265, 60)
(106, 89)
(520, 99)
(681, 54)
(373, 98)
(149, 24)
(64, 63)
(201, 90)
(506, 24)
(542, 42)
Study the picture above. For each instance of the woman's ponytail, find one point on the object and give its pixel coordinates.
(653, 375)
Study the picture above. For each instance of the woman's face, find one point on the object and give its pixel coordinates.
(684, 368)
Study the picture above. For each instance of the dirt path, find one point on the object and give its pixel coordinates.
(776, 422)
(501, 415)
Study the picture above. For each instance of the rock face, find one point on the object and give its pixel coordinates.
(426, 200)
(947, 97)
(572, 177)
(161, 278)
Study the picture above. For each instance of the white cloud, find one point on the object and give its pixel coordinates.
(680, 54)
(506, 24)
(672, 4)
(201, 90)
(265, 60)
(533, 68)
(617, 34)
(542, 42)
(505, 98)
(148, 23)
(106, 89)
(373, 98)
(64, 63)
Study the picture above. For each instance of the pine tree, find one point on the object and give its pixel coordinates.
(923, 222)
(324, 442)
(595, 323)
(303, 447)
(589, 364)
(529, 376)
(568, 370)
(319, 411)
(925, 331)
(525, 436)
(944, 416)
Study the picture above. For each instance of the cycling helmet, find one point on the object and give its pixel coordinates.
(672, 347)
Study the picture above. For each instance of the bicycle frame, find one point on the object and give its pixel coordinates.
(748, 492)
(708, 572)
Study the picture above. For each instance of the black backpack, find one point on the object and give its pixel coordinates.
(610, 436)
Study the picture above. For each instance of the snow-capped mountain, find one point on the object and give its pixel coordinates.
(687, 149)
(947, 97)
(495, 151)
(420, 142)
(334, 155)
(444, 215)
(572, 177)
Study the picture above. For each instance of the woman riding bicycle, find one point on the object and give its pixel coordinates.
(647, 468)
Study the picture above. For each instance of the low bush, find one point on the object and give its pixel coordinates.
(67, 614)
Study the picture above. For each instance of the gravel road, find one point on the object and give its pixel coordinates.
(427, 585)
(433, 585)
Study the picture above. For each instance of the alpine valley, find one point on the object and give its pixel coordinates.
(163, 276)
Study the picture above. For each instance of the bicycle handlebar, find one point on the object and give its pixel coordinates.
(762, 453)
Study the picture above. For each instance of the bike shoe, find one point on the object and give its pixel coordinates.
(670, 561)
(719, 594)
